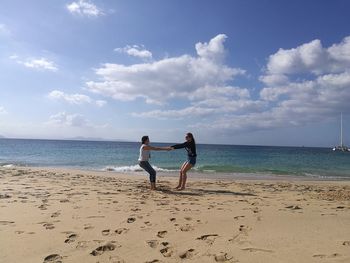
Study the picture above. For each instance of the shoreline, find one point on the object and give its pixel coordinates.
(194, 174)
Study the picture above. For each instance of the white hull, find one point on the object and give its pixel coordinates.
(342, 147)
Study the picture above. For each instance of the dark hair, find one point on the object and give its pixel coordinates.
(144, 139)
(191, 136)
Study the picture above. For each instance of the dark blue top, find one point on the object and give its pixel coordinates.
(189, 146)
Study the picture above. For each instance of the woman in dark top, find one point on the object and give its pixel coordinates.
(190, 146)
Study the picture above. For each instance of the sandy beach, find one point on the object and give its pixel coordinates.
(60, 215)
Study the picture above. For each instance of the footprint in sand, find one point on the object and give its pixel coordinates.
(147, 223)
(131, 220)
(105, 232)
(100, 250)
(244, 229)
(222, 257)
(153, 261)
(209, 239)
(54, 258)
(294, 207)
(48, 226)
(152, 243)
(71, 238)
(82, 244)
(56, 214)
(186, 228)
(161, 234)
(252, 249)
(172, 219)
(186, 254)
(166, 252)
(42, 207)
(204, 237)
(346, 243)
(6, 222)
(121, 231)
(86, 227)
(326, 256)
(4, 196)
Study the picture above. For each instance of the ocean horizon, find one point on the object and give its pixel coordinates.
(216, 160)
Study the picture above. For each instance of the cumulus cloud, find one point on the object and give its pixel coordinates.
(36, 63)
(210, 101)
(168, 78)
(305, 84)
(214, 50)
(84, 8)
(308, 83)
(135, 51)
(75, 98)
(71, 120)
(309, 58)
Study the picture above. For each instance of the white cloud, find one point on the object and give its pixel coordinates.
(214, 50)
(136, 51)
(309, 83)
(84, 7)
(159, 81)
(36, 63)
(100, 103)
(72, 120)
(210, 101)
(309, 58)
(341, 52)
(74, 98)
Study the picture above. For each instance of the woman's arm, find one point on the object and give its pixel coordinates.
(179, 146)
(151, 148)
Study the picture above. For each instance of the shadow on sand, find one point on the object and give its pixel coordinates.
(201, 192)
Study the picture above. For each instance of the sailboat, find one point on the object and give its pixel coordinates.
(341, 147)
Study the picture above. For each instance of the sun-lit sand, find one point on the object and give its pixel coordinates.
(59, 215)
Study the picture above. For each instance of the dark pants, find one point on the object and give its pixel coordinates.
(148, 168)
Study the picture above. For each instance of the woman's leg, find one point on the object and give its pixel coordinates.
(180, 176)
(186, 168)
(152, 173)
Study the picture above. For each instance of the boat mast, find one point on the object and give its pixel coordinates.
(341, 129)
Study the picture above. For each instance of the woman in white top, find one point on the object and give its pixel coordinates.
(144, 157)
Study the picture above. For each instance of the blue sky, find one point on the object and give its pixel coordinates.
(237, 72)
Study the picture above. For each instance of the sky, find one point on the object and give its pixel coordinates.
(246, 72)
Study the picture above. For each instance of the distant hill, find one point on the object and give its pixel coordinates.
(82, 138)
(2, 136)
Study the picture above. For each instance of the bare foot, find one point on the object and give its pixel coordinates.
(180, 189)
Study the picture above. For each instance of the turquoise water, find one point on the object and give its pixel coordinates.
(213, 159)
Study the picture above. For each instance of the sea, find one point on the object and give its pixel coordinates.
(217, 161)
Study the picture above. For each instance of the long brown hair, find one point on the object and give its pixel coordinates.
(191, 136)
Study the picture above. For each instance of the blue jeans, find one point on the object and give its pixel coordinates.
(148, 168)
